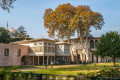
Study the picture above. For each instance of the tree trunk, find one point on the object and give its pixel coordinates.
(114, 61)
(78, 35)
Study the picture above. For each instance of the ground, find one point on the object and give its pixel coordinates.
(67, 69)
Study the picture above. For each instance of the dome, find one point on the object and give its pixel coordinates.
(12, 30)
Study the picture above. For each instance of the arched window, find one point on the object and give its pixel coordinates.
(96, 41)
(91, 44)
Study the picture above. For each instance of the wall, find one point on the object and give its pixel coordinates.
(12, 59)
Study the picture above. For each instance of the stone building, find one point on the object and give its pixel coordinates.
(12, 55)
(78, 54)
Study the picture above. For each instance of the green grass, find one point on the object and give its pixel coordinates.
(75, 70)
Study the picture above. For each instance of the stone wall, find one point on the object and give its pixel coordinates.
(12, 59)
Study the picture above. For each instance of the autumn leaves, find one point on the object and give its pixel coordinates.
(66, 19)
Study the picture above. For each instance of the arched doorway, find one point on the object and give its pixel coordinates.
(24, 60)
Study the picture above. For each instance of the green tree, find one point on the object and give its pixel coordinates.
(4, 37)
(21, 32)
(6, 4)
(109, 45)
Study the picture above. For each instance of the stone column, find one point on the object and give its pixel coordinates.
(43, 59)
(38, 61)
(33, 60)
(51, 58)
(54, 59)
(47, 60)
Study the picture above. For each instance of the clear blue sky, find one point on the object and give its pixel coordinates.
(29, 13)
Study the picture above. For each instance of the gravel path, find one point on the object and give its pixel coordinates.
(60, 66)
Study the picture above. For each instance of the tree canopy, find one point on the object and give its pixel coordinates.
(21, 32)
(67, 19)
(4, 37)
(109, 45)
(6, 4)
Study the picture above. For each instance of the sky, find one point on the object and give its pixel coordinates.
(29, 13)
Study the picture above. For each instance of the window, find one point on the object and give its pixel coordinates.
(45, 43)
(6, 52)
(36, 50)
(52, 44)
(53, 50)
(35, 44)
(45, 49)
(18, 53)
(49, 50)
(49, 44)
(40, 43)
(58, 47)
(40, 49)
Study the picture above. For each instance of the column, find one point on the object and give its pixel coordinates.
(54, 59)
(38, 61)
(33, 60)
(51, 58)
(43, 59)
(47, 60)
(63, 58)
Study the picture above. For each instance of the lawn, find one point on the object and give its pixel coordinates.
(75, 70)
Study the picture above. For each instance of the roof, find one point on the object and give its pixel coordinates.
(63, 43)
(12, 30)
(83, 38)
(11, 44)
(33, 40)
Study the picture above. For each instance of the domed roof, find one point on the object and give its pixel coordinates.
(12, 30)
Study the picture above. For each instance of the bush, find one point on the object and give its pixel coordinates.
(106, 72)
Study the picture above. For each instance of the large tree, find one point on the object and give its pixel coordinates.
(68, 19)
(83, 20)
(6, 4)
(59, 20)
(4, 37)
(109, 45)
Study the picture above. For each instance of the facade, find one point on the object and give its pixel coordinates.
(41, 51)
(62, 52)
(12, 55)
(78, 54)
(45, 51)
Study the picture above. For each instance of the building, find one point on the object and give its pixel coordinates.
(63, 52)
(78, 54)
(44, 51)
(12, 55)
